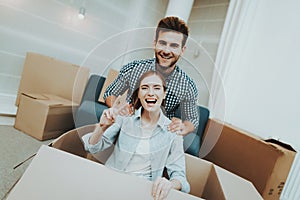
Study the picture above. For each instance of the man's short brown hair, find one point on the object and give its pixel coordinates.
(172, 23)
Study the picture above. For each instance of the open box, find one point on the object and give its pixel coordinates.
(62, 171)
(266, 163)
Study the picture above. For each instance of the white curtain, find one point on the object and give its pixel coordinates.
(235, 33)
(237, 22)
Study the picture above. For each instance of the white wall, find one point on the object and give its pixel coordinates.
(113, 33)
(206, 23)
(262, 93)
(52, 28)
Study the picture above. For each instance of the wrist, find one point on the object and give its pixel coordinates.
(176, 184)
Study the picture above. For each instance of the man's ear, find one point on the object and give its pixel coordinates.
(183, 49)
(154, 44)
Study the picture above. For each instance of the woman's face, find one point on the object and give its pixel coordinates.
(151, 93)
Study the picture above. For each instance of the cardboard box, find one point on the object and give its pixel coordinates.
(45, 75)
(266, 163)
(44, 116)
(207, 180)
(54, 174)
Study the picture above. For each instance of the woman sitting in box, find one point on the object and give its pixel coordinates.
(144, 146)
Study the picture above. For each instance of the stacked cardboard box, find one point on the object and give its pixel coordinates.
(266, 163)
(50, 91)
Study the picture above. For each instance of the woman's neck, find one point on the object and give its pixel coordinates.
(149, 119)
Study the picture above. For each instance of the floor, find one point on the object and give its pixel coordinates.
(15, 148)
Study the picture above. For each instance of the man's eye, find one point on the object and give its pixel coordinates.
(174, 45)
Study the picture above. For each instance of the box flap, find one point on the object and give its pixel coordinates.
(197, 169)
(55, 174)
(235, 187)
(244, 154)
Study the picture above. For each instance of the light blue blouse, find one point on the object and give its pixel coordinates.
(166, 148)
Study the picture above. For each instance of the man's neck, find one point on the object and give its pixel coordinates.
(165, 71)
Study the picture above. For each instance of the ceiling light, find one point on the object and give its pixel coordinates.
(81, 13)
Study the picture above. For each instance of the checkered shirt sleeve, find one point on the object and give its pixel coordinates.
(182, 90)
(128, 77)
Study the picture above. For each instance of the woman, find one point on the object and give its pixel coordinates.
(144, 146)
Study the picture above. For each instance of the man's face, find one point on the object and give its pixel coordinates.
(168, 49)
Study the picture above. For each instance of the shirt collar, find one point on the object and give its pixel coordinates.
(163, 121)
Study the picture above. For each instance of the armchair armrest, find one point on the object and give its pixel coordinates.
(90, 109)
(93, 88)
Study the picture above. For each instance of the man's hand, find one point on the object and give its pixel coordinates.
(179, 127)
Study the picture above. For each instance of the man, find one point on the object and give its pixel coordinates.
(169, 46)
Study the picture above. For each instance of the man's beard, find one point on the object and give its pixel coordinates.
(162, 67)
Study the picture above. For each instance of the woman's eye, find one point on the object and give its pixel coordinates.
(162, 42)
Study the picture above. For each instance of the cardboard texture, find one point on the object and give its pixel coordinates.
(44, 116)
(207, 180)
(45, 75)
(54, 174)
(266, 163)
(111, 76)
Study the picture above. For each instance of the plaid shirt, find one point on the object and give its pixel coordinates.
(181, 89)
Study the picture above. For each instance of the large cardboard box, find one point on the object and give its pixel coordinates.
(44, 116)
(45, 75)
(207, 180)
(55, 174)
(266, 163)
